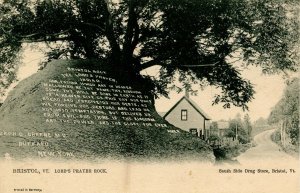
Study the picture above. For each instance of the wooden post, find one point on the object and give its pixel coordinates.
(281, 133)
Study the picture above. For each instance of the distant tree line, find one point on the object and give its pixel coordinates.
(260, 125)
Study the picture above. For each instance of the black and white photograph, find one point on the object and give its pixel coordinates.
(166, 96)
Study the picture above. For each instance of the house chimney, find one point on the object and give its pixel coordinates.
(187, 94)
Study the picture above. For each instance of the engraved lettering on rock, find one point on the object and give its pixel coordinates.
(89, 97)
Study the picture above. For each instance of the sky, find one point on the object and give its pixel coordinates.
(268, 88)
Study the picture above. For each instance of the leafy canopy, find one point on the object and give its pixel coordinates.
(199, 40)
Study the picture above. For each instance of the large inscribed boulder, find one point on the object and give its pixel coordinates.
(72, 109)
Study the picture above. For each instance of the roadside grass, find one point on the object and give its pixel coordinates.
(292, 150)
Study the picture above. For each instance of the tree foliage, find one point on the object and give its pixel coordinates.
(199, 40)
(247, 125)
(241, 128)
(287, 110)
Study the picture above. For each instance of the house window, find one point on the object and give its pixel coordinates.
(183, 115)
(194, 131)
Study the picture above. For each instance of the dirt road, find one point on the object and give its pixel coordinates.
(265, 151)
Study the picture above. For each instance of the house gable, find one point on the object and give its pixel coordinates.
(186, 115)
(195, 106)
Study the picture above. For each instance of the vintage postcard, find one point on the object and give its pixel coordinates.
(128, 96)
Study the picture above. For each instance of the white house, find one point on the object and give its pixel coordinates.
(188, 116)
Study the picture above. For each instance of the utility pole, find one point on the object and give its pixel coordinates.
(236, 131)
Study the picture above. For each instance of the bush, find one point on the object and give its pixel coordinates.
(214, 138)
(229, 151)
(187, 146)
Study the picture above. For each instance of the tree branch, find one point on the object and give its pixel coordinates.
(52, 39)
(149, 64)
(93, 25)
(34, 34)
(158, 62)
(200, 65)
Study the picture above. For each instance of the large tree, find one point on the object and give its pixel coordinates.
(201, 40)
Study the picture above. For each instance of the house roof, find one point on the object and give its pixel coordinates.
(193, 104)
